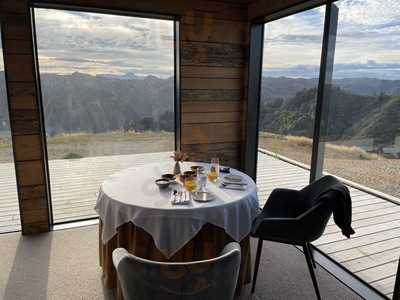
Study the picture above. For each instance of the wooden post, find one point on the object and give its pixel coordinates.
(24, 116)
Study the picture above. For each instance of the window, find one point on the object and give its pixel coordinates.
(107, 86)
(359, 132)
(362, 140)
(9, 210)
(363, 135)
(292, 53)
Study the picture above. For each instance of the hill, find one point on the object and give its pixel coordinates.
(350, 116)
(285, 87)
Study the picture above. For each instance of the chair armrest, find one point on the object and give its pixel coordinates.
(230, 247)
(117, 255)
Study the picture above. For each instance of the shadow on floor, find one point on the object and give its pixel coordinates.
(29, 272)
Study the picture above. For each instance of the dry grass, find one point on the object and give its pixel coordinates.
(305, 144)
(5, 142)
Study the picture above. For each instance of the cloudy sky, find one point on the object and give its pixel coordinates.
(368, 41)
(93, 43)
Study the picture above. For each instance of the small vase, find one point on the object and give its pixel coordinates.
(177, 168)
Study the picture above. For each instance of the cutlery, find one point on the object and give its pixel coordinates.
(234, 183)
(237, 188)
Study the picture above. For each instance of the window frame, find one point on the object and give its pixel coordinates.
(109, 11)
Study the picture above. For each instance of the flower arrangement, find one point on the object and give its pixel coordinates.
(180, 156)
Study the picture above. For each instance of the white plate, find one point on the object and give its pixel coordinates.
(233, 178)
(202, 196)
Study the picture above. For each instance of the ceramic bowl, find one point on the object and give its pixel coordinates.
(195, 168)
(168, 176)
(162, 183)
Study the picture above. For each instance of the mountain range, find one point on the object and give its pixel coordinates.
(285, 87)
(359, 107)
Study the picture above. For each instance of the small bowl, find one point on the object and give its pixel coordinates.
(162, 183)
(195, 168)
(189, 173)
(169, 177)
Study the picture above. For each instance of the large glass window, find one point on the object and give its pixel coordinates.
(291, 59)
(290, 70)
(360, 128)
(363, 137)
(362, 142)
(107, 85)
(9, 210)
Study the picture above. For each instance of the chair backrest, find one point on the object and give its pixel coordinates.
(311, 192)
(208, 279)
(319, 211)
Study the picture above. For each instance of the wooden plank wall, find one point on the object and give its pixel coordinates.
(24, 116)
(213, 71)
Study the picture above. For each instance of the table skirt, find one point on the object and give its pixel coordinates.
(208, 243)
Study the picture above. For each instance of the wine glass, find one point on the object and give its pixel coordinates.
(213, 174)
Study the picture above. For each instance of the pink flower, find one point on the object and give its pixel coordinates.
(180, 156)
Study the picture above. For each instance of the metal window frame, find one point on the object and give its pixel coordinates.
(253, 98)
(324, 86)
(109, 11)
(358, 285)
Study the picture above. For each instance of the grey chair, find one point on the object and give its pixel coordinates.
(142, 279)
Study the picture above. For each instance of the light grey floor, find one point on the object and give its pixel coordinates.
(64, 265)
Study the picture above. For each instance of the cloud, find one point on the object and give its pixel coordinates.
(371, 69)
(368, 30)
(98, 43)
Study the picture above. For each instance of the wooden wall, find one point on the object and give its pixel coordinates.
(213, 72)
(24, 116)
(213, 46)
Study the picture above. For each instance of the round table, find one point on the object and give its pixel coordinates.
(137, 215)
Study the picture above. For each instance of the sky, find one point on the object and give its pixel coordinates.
(368, 42)
(95, 44)
(367, 45)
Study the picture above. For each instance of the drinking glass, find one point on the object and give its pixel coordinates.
(190, 183)
(213, 174)
(201, 179)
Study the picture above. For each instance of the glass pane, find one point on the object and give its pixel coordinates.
(291, 62)
(108, 98)
(292, 53)
(363, 138)
(9, 210)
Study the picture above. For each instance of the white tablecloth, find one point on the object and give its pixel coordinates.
(132, 196)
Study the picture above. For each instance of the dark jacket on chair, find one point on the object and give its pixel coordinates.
(337, 195)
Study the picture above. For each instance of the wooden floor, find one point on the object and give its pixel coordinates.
(372, 253)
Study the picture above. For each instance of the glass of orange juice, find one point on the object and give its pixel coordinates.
(213, 174)
(190, 183)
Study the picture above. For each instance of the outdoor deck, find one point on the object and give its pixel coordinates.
(75, 183)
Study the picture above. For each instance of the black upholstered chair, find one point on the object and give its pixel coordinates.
(396, 292)
(293, 217)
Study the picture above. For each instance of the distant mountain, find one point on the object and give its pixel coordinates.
(81, 102)
(285, 87)
(126, 76)
(351, 116)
